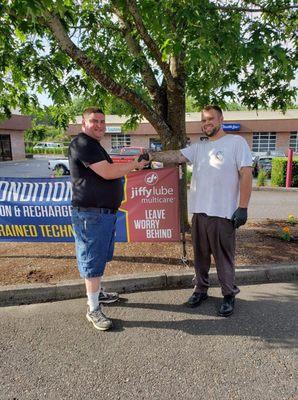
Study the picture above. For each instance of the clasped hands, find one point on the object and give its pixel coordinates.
(142, 161)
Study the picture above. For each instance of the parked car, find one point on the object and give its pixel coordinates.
(125, 154)
(263, 162)
(276, 153)
(114, 151)
(47, 145)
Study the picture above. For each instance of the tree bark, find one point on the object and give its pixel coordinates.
(175, 118)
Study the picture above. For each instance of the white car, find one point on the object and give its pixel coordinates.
(60, 166)
(47, 145)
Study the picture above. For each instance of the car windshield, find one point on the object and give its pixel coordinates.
(114, 151)
(265, 161)
(277, 153)
(131, 152)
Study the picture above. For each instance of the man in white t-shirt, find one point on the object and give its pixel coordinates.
(219, 195)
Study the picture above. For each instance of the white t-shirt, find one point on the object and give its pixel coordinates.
(214, 186)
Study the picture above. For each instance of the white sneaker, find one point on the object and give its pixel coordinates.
(99, 320)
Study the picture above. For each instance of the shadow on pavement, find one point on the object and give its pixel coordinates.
(272, 318)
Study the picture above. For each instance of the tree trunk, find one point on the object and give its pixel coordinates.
(175, 119)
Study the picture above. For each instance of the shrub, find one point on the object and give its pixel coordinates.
(292, 220)
(279, 171)
(58, 150)
(262, 175)
(29, 149)
(188, 176)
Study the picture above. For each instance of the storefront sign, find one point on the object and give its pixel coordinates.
(38, 209)
(230, 127)
(113, 129)
(151, 206)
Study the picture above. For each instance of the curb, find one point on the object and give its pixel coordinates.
(38, 293)
(269, 189)
(274, 189)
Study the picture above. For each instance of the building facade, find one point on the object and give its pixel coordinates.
(12, 146)
(264, 131)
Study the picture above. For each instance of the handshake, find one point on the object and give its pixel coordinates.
(144, 156)
(143, 161)
(148, 160)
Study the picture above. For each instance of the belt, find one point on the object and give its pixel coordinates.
(99, 210)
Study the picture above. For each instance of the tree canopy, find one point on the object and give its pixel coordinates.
(149, 54)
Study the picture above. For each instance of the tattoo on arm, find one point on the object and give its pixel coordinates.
(168, 157)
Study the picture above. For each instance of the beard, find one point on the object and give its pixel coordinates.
(212, 132)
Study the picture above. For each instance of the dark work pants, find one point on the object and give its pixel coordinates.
(216, 236)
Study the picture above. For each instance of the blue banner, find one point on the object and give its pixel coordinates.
(35, 210)
(39, 209)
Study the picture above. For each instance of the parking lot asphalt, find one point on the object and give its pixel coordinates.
(159, 348)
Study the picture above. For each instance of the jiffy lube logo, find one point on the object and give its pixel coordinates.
(151, 179)
(151, 189)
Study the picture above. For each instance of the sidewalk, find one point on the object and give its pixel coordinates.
(38, 293)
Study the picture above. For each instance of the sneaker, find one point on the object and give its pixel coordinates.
(107, 297)
(99, 320)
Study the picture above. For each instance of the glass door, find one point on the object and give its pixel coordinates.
(5, 148)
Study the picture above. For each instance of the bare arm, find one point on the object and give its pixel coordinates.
(245, 186)
(114, 171)
(168, 157)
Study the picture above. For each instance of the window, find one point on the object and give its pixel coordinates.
(5, 148)
(263, 142)
(294, 141)
(155, 144)
(120, 140)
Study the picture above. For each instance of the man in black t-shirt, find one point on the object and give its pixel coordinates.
(96, 196)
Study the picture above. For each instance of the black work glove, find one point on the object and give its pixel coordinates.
(239, 217)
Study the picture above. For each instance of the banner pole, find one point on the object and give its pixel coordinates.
(184, 258)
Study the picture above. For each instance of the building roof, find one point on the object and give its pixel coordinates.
(249, 115)
(228, 116)
(110, 119)
(250, 121)
(16, 123)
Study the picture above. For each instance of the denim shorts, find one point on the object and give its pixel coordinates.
(94, 239)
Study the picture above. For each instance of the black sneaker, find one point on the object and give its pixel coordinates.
(196, 299)
(227, 307)
(107, 297)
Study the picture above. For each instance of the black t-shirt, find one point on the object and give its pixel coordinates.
(88, 188)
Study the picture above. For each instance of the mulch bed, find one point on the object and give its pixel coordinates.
(258, 243)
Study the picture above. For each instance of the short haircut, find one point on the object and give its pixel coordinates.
(92, 110)
(213, 107)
